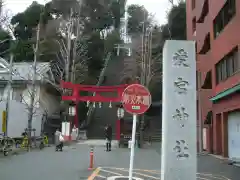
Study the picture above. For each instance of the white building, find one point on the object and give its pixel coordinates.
(46, 102)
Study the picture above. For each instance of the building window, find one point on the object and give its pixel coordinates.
(204, 13)
(193, 4)
(197, 109)
(224, 16)
(198, 80)
(194, 25)
(230, 69)
(207, 45)
(228, 66)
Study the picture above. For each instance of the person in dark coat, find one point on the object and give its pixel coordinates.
(108, 135)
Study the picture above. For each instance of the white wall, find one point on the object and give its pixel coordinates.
(25, 92)
(18, 110)
(18, 118)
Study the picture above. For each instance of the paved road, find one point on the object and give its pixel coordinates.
(106, 172)
(72, 164)
(147, 166)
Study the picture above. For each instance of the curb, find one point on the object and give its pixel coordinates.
(18, 151)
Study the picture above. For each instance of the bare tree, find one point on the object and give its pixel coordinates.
(1, 8)
(142, 64)
(34, 107)
(70, 48)
(71, 55)
(5, 18)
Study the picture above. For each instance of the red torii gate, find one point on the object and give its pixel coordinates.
(76, 97)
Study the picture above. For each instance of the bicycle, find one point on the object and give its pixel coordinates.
(6, 145)
(25, 142)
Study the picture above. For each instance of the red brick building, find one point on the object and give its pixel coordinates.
(215, 26)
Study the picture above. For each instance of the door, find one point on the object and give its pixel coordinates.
(234, 135)
(204, 134)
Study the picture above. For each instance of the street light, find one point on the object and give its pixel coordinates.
(71, 111)
(120, 115)
(120, 112)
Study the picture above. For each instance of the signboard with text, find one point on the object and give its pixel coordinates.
(4, 121)
(136, 99)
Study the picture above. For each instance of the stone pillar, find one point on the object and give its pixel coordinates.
(179, 151)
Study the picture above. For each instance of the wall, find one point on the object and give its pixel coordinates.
(220, 46)
(48, 101)
(18, 118)
(25, 92)
(18, 111)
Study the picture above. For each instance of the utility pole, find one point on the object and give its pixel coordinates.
(145, 67)
(143, 49)
(149, 58)
(33, 90)
(9, 88)
(78, 33)
(142, 78)
(74, 55)
(69, 43)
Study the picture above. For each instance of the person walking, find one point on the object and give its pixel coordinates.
(108, 135)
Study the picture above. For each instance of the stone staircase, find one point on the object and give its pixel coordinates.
(154, 132)
(155, 136)
(105, 114)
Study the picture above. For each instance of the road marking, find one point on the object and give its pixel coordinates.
(112, 172)
(145, 175)
(219, 177)
(149, 171)
(94, 174)
(125, 177)
(101, 176)
(153, 171)
(202, 178)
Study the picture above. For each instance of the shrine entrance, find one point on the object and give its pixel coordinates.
(97, 97)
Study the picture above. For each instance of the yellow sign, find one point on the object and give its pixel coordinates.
(4, 121)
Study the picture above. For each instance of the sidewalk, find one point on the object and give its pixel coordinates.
(17, 151)
(234, 162)
(97, 142)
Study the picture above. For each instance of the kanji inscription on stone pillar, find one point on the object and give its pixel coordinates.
(179, 143)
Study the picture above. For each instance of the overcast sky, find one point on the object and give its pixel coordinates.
(157, 7)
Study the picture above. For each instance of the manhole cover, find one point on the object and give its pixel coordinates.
(122, 178)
